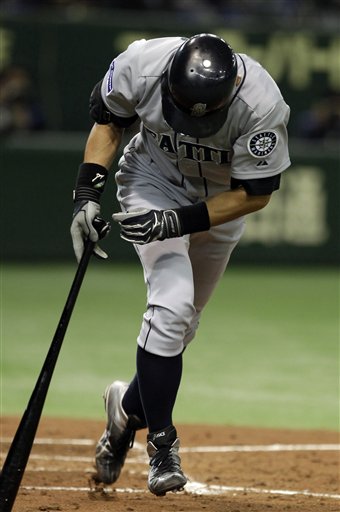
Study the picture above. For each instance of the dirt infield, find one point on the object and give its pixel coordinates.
(230, 469)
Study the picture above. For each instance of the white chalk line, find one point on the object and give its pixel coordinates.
(56, 469)
(56, 441)
(76, 458)
(262, 448)
(199, 488)
(277, 447)
(193, 488)
(194, 449)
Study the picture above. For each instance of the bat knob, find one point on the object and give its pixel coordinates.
(101, 226)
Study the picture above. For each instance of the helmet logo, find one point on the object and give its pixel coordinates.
(198, 110)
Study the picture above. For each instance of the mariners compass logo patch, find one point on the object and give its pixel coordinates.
(262, 144)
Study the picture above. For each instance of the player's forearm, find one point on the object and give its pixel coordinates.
(148, 226)
(100, 150)
(233, 204)
(102, 144)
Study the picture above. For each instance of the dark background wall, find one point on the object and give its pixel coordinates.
(65, 56)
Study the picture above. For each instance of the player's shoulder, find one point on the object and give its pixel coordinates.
(258, 89)
(159, 46)
(150, 56)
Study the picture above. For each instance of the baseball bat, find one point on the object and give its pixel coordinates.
(19, 451)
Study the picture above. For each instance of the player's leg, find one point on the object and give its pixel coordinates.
(210, 252)
(177, 280)
(168, 276)
(170, 294)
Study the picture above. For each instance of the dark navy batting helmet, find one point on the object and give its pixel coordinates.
(197, 85)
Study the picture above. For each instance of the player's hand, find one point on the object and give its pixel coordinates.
(145, 226)
(87, 224)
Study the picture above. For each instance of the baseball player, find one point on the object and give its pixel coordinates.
(211, 148)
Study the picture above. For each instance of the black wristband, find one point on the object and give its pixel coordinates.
(90, 182)
(193, 218)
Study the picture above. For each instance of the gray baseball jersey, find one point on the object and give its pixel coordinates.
(251, 144)
(163, 169)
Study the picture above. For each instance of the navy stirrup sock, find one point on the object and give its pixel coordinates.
(152, 392)
(131, 402)
(159, 379)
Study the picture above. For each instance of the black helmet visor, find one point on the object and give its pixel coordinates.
(196, 123)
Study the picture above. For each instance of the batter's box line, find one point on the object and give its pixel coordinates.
(141, 458)
(204, 489)
(261, 448)
(277, 447)
(195, 488)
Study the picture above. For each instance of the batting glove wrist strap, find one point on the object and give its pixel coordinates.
(193, 218)
(90, 182)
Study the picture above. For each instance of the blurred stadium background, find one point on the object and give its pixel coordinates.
(268, 346)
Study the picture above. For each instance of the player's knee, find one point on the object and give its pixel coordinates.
(165, 328)
(179, 317)
(191, 331)
(175, 321)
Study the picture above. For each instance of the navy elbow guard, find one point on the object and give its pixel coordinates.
(98, 110)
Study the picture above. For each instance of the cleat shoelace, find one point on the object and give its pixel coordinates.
(120, 446)
(166, 458)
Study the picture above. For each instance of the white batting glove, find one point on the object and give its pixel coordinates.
(87, 224)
